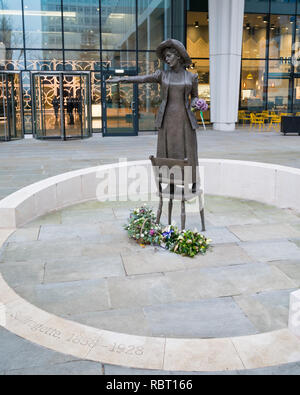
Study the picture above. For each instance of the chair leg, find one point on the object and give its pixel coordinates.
(202, 216)
(170, 211)
(159, 211)
(183, 216)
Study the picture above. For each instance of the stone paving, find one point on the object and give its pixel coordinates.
(82, 254)
(80, 265)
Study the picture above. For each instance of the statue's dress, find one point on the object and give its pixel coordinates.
(176, 138)
(176, 123)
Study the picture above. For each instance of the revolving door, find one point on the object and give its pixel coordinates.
(61, 105)
(11, 107)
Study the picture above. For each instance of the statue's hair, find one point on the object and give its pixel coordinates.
(175, 52)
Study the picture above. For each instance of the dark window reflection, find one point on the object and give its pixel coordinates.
(154, 23)
(43, 24)
(118, 24)
(254, 35)
(81, 24)
(283, 6)
(281, 33)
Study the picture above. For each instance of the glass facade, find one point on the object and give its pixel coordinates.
(105, 37)
(197, 44)
(270, 56)
(95, 36)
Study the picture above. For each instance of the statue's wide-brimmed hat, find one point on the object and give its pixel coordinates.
(172, 43)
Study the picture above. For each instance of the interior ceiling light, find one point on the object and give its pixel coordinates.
(292, 19)
(249, 76)
(265, 19)
(196, 24)
(116, 16)
(248, 26)
(272, 26)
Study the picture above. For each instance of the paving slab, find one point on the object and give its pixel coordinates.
(83, 232)
(268, 311)
(28, 234)
(22, 273)
(264, 232)
(68, 298)
(290, 268)
(137, 291)
(153, 260)
(226, 281)
(220, 235)
(80, 268)
(128, 320)
(72, 368)
(39, 251)
(245, 217)
(52, 218)
(266, 251)
(270, 214)
(72, 217)
(217, 204)
(209, 318)
(18, 353)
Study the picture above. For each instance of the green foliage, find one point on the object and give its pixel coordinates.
(143, 228)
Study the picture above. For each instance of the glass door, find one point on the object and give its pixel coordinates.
(119, 108)
(46, 106)
(77, 105)
(11, 114)
(61, 105)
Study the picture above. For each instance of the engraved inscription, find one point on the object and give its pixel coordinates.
(122, 348)
(75, 338)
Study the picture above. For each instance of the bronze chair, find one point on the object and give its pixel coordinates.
(175, 181)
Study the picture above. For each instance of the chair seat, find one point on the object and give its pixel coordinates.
(188, 193)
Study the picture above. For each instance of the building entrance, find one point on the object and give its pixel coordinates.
(61, 105)
(11, 114)
(119, 108)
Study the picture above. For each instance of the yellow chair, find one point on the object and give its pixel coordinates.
(257, 119)
(244, 117)
(276, 119)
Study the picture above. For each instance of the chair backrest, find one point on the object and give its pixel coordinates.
(174, 173)
(170, 171)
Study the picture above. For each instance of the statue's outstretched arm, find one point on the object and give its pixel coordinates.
(139, 79)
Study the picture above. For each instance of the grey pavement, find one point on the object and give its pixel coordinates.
(239, 287)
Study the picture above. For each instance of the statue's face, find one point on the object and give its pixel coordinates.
(171, 58)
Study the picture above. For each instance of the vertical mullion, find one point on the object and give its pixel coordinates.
(62, 32)
(266, 79)
(24, 37)
(135, 86)
(292, 78)
(172, 18)
(62, 110)
(185, 23)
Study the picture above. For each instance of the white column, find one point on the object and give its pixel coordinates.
(225, 47)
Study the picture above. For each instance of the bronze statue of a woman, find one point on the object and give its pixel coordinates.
(175, 121)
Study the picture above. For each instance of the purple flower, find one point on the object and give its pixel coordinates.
(152, 232)
(200, 105)
(168, 234)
